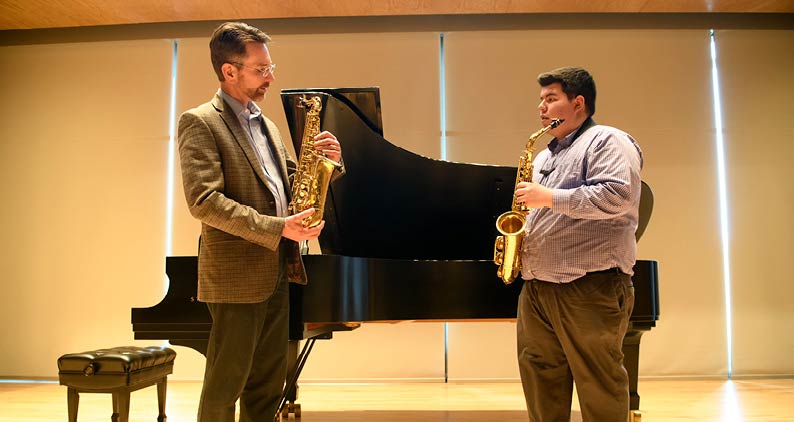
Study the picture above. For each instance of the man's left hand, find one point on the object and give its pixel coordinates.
(534, 195)
(326, 143)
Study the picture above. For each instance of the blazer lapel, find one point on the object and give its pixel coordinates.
(240, 137)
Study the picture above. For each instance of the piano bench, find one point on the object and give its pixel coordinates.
(119, 371)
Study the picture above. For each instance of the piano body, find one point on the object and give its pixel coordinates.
(420, 251)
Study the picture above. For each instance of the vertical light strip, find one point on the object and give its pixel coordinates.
(443, 101)
(443, 97)
(446, 352)
(169, 200)
(723, 202)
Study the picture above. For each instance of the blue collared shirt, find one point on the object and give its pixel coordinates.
(595, 208)
(250, 118)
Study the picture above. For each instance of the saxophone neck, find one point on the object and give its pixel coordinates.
(534, 137)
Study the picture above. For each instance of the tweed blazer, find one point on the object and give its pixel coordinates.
(225, 189)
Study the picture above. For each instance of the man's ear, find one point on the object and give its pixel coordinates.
(229, 71)
(579, 102)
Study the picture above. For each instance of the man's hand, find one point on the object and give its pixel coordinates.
(326, 143)
(294, 230)
(534, 195)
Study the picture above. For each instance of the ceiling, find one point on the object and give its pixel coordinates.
(39, 14)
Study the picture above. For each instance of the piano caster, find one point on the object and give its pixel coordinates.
(293, 408)
(635, 416)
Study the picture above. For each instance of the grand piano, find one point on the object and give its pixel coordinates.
(406, 238)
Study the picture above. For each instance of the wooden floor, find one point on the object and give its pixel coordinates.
(662, 400)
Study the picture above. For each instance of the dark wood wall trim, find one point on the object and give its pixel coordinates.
(434, 23)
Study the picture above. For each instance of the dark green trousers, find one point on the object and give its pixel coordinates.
(573, 332)
(246, 359)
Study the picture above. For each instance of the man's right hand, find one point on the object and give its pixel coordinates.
(294, 230)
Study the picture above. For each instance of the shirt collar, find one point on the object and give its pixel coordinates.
(557, 145)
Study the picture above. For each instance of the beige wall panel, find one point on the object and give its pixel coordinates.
(482, 350)
(83, 148)
(405, 67)
(402, 351)
(756, 85)
(655, 85)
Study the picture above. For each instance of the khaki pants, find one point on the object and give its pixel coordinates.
(573, 332)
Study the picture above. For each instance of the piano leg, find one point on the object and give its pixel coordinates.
(631, 361)
(287, 403)
(295, 363)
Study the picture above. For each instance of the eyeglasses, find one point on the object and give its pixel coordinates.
(268, 70)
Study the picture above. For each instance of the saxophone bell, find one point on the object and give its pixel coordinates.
(507, 248)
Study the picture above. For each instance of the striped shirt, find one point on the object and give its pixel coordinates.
(595, 176)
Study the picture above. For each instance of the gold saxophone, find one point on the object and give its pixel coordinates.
(310, 185)
(507, 249)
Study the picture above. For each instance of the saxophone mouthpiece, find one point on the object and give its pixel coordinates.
(556, 122)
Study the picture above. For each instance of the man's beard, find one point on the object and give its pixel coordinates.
(258, 94)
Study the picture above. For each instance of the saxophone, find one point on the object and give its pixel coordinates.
(310, 184)
(507, 248)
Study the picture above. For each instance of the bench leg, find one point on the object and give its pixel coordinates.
(121, 406)
(161, 386)
(72, 401)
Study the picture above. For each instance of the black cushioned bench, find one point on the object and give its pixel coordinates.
(120, 371)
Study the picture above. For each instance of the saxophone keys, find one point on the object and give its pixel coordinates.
(498, 251)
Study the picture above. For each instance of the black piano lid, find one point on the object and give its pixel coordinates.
(365, 102)
(395, 204)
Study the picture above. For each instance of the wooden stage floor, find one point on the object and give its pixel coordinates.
(756, 400)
